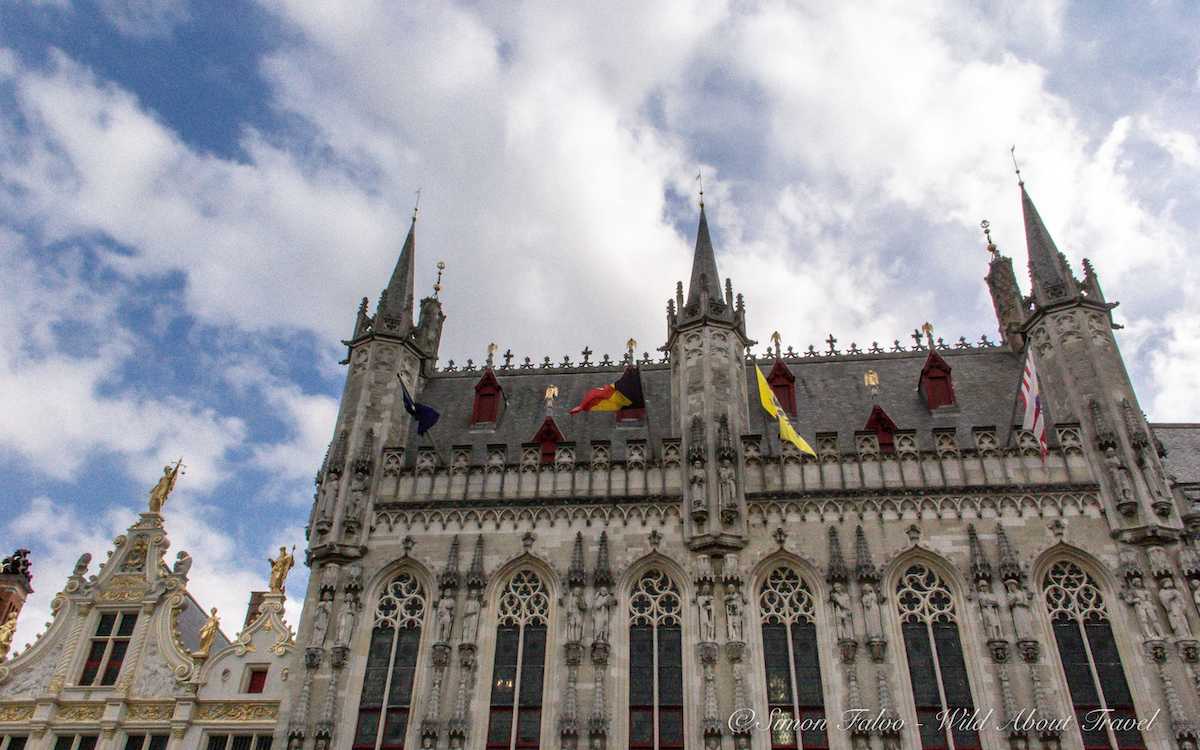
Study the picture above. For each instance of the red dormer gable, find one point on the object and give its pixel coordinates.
(548, 437)
(783, 385)
(884, 428)
(489, 399)
(935, 385)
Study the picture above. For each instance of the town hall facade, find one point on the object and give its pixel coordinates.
(673, 575)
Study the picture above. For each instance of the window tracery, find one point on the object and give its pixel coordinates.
(932, 646)
(791, 662)
(386, 703)
(655, 664)
(1090, 660)
(515, 716)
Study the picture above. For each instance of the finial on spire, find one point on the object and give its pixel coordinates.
(700, 179)
(441, 266)
(416, 204)
(987, 232)
(777, 340)
(1012, 151)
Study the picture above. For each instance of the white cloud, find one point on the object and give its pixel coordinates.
(146, 19)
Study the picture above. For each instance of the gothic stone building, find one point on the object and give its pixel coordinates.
(675, 577)
(122, 665)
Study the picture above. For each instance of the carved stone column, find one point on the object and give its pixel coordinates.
(430, 724)
(568, 722)
(298, 721)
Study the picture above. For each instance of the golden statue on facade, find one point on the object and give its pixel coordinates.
(208, 633)
(7, 630)
(279, 570)
(166, 483)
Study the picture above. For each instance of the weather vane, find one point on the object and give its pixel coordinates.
(417, 204)
(987, 232)
(1012, 151)
(700, 179)
(437, 285)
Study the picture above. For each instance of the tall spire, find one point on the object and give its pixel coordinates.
(397, 303)
(704, 266)
(1048, 270)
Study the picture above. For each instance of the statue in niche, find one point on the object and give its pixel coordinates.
(697, 478)
(1120, 476)
(445, 617)
(328, 499)
(1194, 584)
(727, 486)
(871, 599)
(345, 623)
(575, 610)
(843, 616)
(708, 623)
(1018, 605)
(602, 614)
(989, 609)
(1148, 461)
(320, 629)
(471, 609)
(1139, 598)
(733, 616)
(1172, 600)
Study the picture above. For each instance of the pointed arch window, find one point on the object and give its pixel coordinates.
(935, 661)
(515, 718)
(1095, 677)
(655, 664)
(792, 663)
(386, 703)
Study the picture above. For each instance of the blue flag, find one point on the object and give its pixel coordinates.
(426, 416)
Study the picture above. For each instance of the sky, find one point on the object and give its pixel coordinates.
(195, 196)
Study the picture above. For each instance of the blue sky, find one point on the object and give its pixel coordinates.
(193, 198)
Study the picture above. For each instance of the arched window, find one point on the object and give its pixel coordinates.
(941, 692)
(386, 703)
(1090, 660)
(515, 719)
(790, 656)
(655, 664)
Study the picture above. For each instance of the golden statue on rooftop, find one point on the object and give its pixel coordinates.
(280, 567)
(208, 633)
(166, 483)
(7, 630)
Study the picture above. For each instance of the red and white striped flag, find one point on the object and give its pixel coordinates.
(1031, 399)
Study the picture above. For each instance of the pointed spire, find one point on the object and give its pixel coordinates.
(449, 577)
(981, 569)
(576, 575)
(837, 565)
(475, 576)
(396, 303)
(864, 566)
(1010, 568)
(704, 266)
(1048, 270)
(603, 574)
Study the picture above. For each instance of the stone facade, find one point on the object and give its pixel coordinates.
(592, 545)
(123, 662)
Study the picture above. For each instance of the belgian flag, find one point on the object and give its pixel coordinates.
(626, 393)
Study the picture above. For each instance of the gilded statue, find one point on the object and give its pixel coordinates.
(166, 483)
(208, 632)
(7, 630)
(279, 570)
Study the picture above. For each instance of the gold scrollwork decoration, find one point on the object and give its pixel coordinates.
(151, 711)
(16, 712)
(237, 712)
(80, 712)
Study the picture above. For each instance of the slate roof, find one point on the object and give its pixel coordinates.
(830, 397)
(1182, 442)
